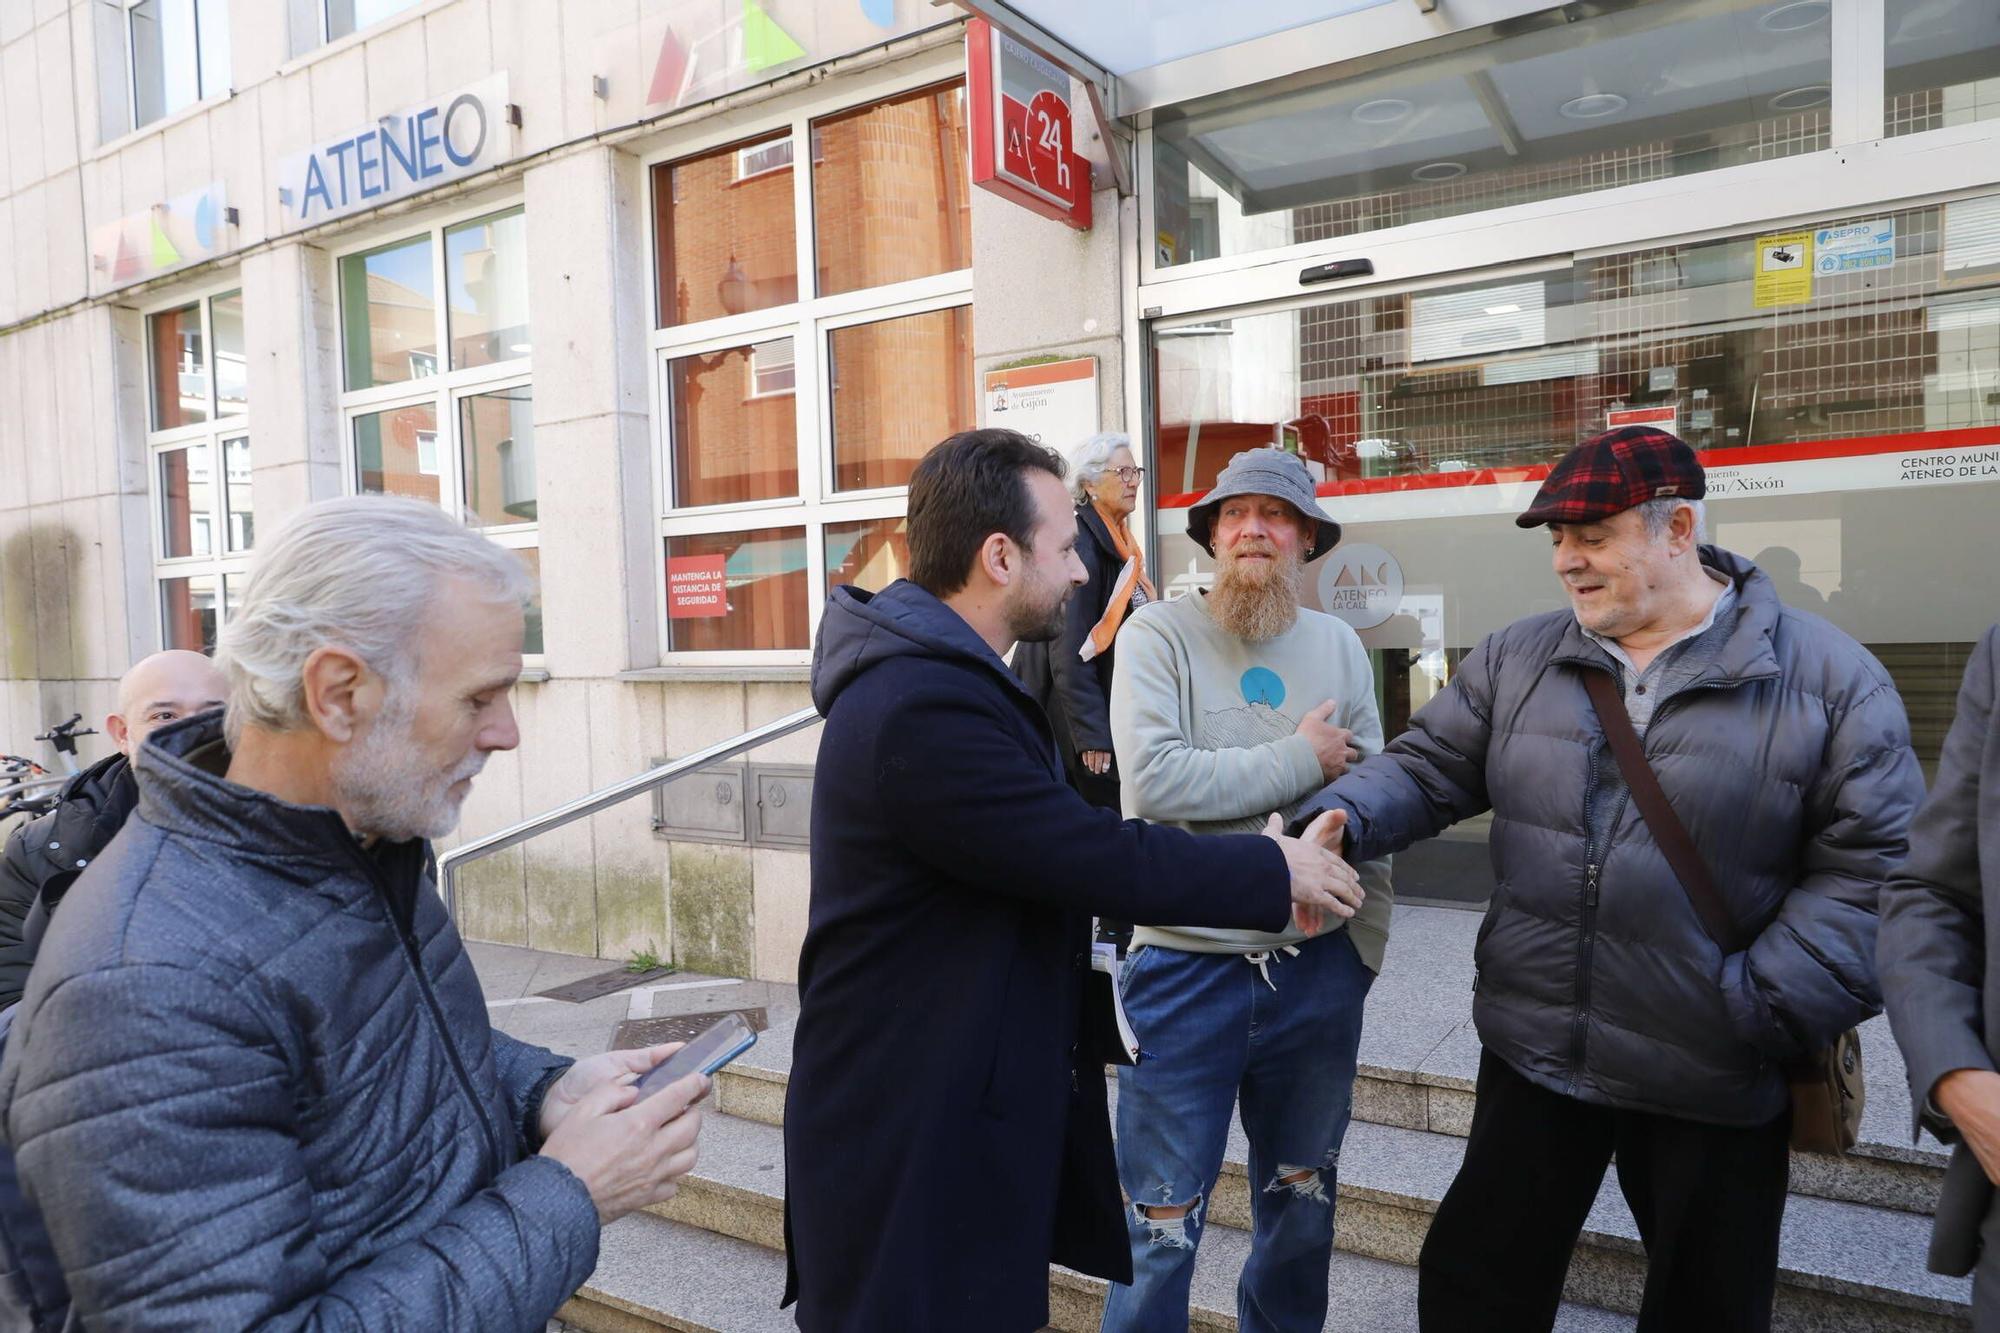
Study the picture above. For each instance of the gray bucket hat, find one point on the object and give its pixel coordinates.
(1266, 471)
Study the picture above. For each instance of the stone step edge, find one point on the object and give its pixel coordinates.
(707, 1202)
(752, 1085)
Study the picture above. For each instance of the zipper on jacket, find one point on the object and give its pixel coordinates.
(1578, 1018)
(414, 957)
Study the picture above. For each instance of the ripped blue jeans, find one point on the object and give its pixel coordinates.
(1279, 1036)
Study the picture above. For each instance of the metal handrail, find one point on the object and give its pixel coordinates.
(585, 806)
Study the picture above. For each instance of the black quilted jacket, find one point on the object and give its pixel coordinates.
(1788, 759)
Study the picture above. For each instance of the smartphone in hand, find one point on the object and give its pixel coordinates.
(713, 1049)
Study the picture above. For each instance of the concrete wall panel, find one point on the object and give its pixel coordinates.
(782, 896)
(713, 907)
(339, 95)
(21, 89)
(458, 45)
(555, 768)
(398, 74)
(55, 62)
(30, 259)
(142, 173)
(492, 892)
(627, 727)
(527, 42)
(236, 148)
(68, 245)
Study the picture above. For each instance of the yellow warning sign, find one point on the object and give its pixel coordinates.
(1784, 269)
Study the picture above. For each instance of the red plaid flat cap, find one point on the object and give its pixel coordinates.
(1610, 473)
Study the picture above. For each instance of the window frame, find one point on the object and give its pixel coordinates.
(810, 322)
(131, 71)
(325, 19)
(221, 562)
(444, 390)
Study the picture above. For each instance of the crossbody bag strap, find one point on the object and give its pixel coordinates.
(1669, 834)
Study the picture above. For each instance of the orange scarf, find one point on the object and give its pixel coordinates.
(1131, 577)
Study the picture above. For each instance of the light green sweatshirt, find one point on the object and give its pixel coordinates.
(1205, 727)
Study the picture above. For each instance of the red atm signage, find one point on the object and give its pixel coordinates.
(1023, 142)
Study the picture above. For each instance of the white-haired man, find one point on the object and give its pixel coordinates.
(252, 1082)
(1618, 1015)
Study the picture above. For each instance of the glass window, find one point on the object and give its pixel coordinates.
(486, 277)
(899, 386)
(389, 450)
(180, 55)
(196, 356)
(807, 417)
(773, 368)
(232, 393)
(1640, 93)
(891, 194)
(187, 502)
(737, 591)
(731, 444)
(239, 520)
(1837, 413)
(496, 438)
(187, 612)
(459, 433)
(388, 311)
(346, 16)
(180, 368)
(869, 553)
(725, 234)
(1943, 63)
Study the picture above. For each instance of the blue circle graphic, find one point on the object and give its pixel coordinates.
(1261, 685)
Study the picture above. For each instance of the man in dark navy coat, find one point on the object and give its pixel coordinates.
(945, 1140)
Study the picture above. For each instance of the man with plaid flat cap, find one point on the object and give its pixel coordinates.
(1612, 1021)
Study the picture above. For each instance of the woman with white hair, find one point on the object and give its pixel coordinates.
(1071, 675)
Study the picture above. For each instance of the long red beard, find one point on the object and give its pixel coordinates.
(1253, 607)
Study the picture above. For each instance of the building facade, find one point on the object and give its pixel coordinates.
(561, 269)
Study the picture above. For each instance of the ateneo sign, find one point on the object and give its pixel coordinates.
(1023, 142)
(401, 154)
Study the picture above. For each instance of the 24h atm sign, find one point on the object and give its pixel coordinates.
(1023, 143)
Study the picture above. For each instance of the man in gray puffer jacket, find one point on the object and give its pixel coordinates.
(1611, 1021)
(252, 1083)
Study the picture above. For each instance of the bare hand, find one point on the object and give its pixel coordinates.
(1970, 1098)
(630, 1153)
(585, 1074)
(1332, 746)
(1322, 883)
(1097, 761)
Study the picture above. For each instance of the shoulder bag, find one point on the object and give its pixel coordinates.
(1827, 1089)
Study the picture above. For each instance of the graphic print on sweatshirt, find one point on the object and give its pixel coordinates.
(1258, 721)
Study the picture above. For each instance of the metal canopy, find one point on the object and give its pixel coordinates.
(1124, 36)
(1136, 55)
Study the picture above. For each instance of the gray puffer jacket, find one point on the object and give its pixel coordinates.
(252, 1084)
(1788, 758)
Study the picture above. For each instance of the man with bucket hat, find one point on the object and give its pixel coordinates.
(1228, 709)
(1621, 1009)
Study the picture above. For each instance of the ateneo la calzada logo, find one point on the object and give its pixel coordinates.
(1362, 584)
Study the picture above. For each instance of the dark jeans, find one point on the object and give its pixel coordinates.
(1277, 1043)
(1708, 1200)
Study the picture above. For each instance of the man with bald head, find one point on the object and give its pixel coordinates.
(44, 855)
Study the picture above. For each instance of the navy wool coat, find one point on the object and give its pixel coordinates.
(944, 1139)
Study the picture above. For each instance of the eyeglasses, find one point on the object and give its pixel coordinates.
(1129, 474)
